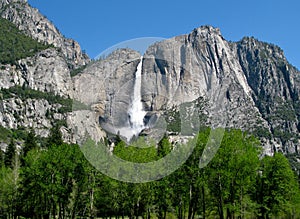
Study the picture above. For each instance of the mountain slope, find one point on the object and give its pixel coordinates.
(14, 45)
(35, 79)
(248, 84)
(30, 21)
(260, 88)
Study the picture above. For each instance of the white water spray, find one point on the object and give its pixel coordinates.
(135, 112)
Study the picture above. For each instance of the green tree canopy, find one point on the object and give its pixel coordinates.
(277, 189)
(15, 45)
(10, 154)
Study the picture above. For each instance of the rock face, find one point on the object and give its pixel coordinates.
(47, 71)
(31, 113)
(34, 24)
(202, 63)
(107, 87)
(275, 89)
(247, 84)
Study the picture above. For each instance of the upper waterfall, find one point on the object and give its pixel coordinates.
(136, 112)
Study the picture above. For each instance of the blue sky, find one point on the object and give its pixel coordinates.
(100, 24)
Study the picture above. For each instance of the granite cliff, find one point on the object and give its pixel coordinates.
(247, 84)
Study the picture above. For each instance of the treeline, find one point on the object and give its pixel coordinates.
(25, 93)
(56, 181)
(15, 45)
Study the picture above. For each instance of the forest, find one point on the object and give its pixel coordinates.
(52, 179)
(15, 45)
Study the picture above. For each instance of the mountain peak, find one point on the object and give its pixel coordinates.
(31, 22)
(207, 29)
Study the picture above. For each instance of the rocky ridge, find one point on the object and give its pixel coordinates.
(47, 72)
(247, 84)
(34, 24)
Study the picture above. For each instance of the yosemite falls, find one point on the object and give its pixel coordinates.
(136, 113)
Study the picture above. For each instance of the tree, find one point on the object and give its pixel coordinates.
(55, 137)
(197, 178)
(30, 143)
(277, 190)
(54, 181)
(232, 173)
(1, 158)
(10, 154)
(9, 182)
(7, 193)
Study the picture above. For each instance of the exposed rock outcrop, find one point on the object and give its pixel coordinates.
(203, 64)
(47, 71)
(275, 85)
(107, 87)
(31, 113)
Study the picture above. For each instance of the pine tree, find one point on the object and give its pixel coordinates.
(10, 154)
(30, 143)
(55, 137)
(1, 158)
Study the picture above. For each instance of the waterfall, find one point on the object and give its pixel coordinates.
(136, 113)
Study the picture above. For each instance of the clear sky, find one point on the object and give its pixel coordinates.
(100, 24)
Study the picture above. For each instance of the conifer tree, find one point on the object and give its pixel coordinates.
(10, 154)
(30, 143)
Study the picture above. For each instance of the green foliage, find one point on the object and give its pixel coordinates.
(195, 118)
(54, 176)
(10, 154)
(1, 158)
(16, 134)
(5, 134)
(8, 193)
(284, 110)
(164, 147)
(232, 173)
(173, 120)
(294, 162)
(262, 132)
(283, 135)
(55, 137)
(30, 143)
(277, 188)
(140, 152)
(76, 71)
(19, 133)
(26, 93)
(58, 182)
(15, 45)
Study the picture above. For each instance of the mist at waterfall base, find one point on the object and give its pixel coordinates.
(136, 114)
